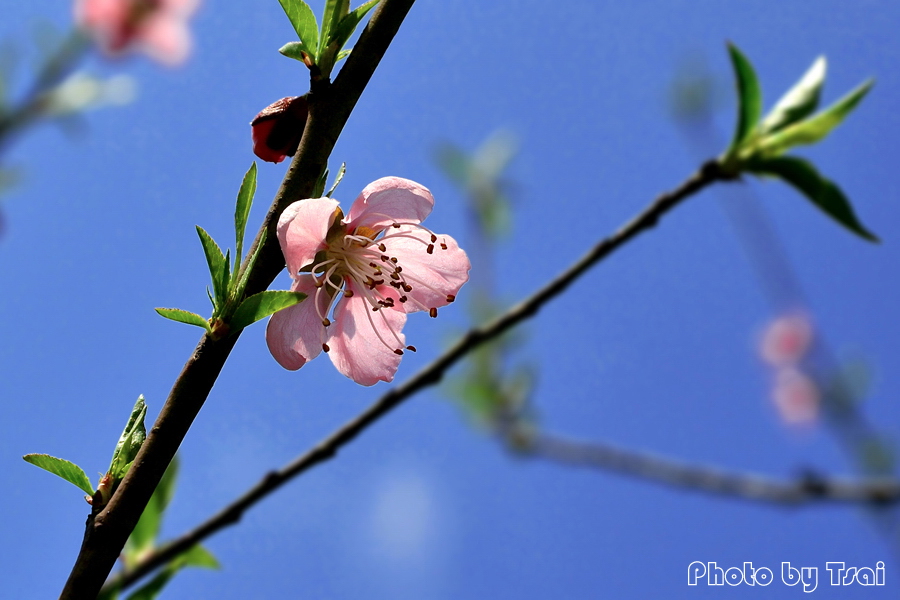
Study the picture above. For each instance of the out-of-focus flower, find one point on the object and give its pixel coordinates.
(373, 266)
(786, 340)
(796, 396)
(156, 27)
(277, 129)
(82, 92)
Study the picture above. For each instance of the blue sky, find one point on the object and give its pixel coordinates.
(654, 349)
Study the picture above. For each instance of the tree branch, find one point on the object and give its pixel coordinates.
(430, 375)
(330, 106)
(806, 489)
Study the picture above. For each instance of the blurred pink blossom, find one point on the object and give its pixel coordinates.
(796, 396)
(372, 266)
(155, 27)
(786, 340)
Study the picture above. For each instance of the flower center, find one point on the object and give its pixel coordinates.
(363, 258)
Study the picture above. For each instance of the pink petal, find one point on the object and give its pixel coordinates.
(165, 38)
(434, 276)
(295, 335)
(387, 200)
(355, 348)
(301, 231)
(786, 340)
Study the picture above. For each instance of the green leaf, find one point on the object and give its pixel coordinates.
(62, 468)
(822, 192)
(143, 537)
(245, 274)
(130, 441)
(183, 316)
(342, 55)
(242, 210)
(152, 589)
(216, 261)
(349, 23)
(337, 179)
(749, 96)
(815, 128)
(304, 21)
(261, 305)
(319, 190)
(296, 50)
(799, 102)
(197, 556)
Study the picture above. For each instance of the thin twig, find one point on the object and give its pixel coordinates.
(330, 105)
(806, 489)
(430, 375)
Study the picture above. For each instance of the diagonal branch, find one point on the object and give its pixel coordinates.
(430, 375)
(330, 105)
(806, 489)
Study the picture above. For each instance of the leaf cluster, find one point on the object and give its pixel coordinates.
(320, 48)
(231, 311)
(759, 143)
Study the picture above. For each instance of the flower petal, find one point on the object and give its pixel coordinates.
(355, 347)
(434, 276)
(295, 334)
(387, 200)
(301, 231)
(165, 39)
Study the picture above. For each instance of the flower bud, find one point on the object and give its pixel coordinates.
(277, 129)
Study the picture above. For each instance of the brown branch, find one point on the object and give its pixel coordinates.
(330, 105)
(430, 375)
(805, 489)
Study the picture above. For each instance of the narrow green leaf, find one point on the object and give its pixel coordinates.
(337, 179)
(342, 55)
(799, 102)
(225, 283)
(152, 589)
(242, 210)
(304, 21)
(330, 20)
(130, 441)
(802, 175)
(261, 305)
(245, 274)
(296, 50)
(183, 316)
(62, 468)
(349, 23)
(749, 96)
(216, 261)
(319, 190)
(197, 556)
(816, 127)
(144, 535)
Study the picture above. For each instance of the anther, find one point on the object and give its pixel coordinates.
(382, 247)
(348, 293)
(385, 258)
(394, 275)
(411, 348)
(430, 249)
(394, 259)
(450, 297)
(406, 287)
(398, 269)
(326, 322)
(325, 347)
(433, 238)
(432, 312)
(398, 352)
(443, 246)
(403, 298)
(396, 225)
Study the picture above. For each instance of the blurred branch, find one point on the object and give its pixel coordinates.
(430, 375)
(32, 106)
(330, 106)
(806, 489)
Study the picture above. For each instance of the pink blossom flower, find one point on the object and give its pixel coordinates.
(796, 396)
(786, 340)
(372, 266)
(157, 27)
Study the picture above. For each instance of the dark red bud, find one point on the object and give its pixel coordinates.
(277, 129)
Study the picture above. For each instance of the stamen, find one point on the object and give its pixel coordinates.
(430, 249)
(348, 293)
(325, 347)
(398, 352)
(432, 312)
(450, 297)
(443, 246)
(411, 348)
(326, 322)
